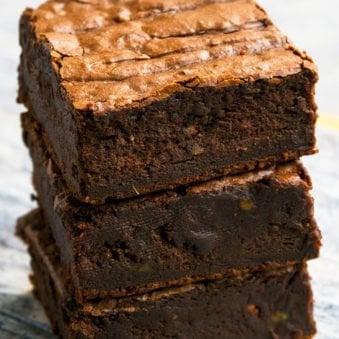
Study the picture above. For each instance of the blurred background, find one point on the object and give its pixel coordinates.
(313, 26)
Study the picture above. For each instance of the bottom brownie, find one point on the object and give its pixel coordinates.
(275, 302)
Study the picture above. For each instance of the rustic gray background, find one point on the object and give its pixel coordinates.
(313, 26)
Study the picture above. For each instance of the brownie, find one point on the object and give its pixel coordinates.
(175, 236)
(142, 96)
(271, 303)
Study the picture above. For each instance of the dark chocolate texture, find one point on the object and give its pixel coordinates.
(272, 303)
(175, 236)
(143, 96)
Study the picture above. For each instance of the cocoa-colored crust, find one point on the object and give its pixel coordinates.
(177, 236)
(147, 96)
(272, 303)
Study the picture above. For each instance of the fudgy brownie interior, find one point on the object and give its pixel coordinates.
(167, 238)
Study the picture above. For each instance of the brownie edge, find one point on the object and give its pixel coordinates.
(272, 303)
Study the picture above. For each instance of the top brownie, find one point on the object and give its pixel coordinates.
(140, 96)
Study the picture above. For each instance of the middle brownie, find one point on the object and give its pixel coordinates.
(177, 236)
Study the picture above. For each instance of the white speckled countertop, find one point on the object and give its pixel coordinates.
(314, 26)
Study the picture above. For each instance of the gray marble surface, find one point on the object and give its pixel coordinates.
(314, 26)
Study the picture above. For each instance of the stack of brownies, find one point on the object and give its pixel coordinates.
(165, 138)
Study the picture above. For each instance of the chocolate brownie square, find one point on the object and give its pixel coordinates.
(275, 302)
(142, 96)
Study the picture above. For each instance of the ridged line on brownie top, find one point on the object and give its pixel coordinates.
(120, 64)
(108, 53)
(73, 16)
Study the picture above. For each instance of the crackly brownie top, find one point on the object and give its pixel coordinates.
(113, 54)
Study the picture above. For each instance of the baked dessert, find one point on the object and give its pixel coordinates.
(142, 96)
(176, 236)
(275, 302)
